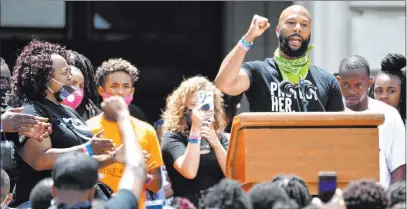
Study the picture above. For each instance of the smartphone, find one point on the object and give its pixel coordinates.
(205, 98)
(327, 183)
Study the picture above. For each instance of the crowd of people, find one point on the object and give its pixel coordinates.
(70, 150)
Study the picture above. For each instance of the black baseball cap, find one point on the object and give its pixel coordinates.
(75, 171)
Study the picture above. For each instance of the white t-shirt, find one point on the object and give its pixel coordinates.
(392, 142)
(160, 195)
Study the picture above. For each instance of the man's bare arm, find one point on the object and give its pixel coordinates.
(231, 79)
(399, 174)
(134, 175)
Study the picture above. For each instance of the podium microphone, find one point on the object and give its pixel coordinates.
(304, 101)
(310, 89)
(289, 89)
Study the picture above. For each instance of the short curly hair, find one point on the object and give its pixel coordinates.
(396, 193)
(33, 70)
(265, 195)
(286, 204)
(115, 65)
(365, 194)
(295, 187)
(227, 194)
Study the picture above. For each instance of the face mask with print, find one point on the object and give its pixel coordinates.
(74, 99)
(127, 99)
(66, 92)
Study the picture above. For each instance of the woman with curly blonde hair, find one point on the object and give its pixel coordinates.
(191, 168)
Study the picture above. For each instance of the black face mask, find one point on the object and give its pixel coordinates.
(188, 117)
(285, 45)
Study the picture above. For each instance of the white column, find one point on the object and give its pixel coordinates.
(330, 32)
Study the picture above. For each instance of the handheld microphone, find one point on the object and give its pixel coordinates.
(289, 89)
(310, 89)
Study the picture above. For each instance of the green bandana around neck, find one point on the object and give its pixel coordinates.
(292, 70)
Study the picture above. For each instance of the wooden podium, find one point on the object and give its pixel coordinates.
(263, 145)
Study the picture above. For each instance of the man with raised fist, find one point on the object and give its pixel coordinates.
(260, 80)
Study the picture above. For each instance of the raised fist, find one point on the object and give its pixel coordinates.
(113, 107)
(258, 25)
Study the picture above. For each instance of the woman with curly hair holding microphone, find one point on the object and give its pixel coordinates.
(194, 147)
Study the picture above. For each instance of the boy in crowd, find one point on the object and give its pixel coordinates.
(116, 77)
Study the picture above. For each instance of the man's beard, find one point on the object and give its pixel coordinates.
(285, 45)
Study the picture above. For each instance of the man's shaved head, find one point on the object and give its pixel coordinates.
(294, 9)
(294, 31)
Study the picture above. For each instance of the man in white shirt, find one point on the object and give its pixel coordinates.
(354, 79)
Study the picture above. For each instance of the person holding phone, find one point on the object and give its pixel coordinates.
(116, 77)
(186, 123)
(40, 83)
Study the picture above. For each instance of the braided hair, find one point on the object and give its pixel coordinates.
(392, 64)
(89, 106)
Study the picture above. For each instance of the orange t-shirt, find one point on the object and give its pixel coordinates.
(147, 138)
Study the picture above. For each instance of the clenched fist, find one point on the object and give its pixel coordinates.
(258, 25)
(113, 107)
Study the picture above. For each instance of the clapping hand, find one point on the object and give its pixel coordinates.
(28, 125)
(101, 145)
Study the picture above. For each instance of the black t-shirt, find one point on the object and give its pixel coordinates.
(88, 111)
(209, 172)
(62, 137)
(231, 108)
(123, 200)
(264, 94)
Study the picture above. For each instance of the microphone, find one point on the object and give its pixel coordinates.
(310, 89)
(304, 101)
(289, 89)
